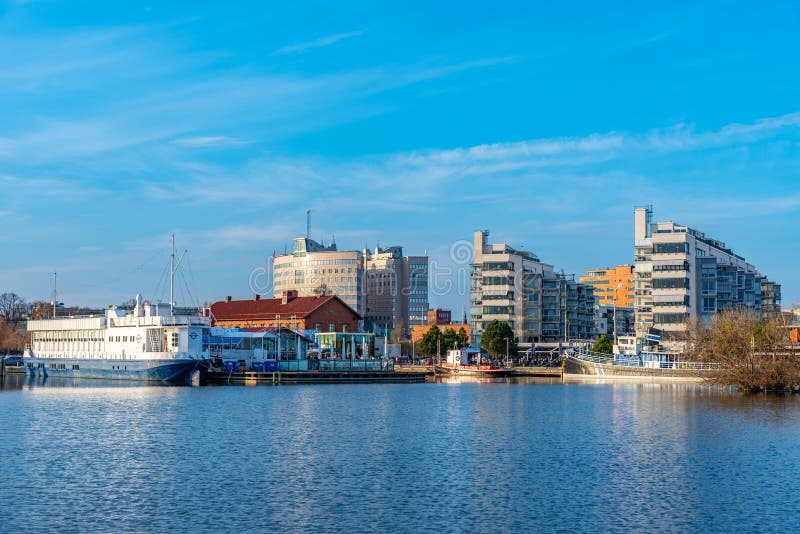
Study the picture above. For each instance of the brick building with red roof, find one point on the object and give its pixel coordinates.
(327, 313)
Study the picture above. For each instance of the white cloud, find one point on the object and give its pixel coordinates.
(318, 43)
(208, 141)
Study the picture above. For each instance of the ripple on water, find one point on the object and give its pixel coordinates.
(434, 457)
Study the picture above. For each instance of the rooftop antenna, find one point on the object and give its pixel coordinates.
(172, 268)
(308, 223)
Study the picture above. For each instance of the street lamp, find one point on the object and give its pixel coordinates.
(506, 352)
(619, 286)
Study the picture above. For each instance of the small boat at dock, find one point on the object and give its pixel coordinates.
(468, 362)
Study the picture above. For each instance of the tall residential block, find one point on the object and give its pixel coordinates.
(681, 273)
(514, 286)
(612, 286)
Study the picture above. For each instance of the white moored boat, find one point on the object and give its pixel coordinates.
(149, 343)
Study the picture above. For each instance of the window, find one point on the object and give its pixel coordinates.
(331, 327)
(332, 313)
(671, 248)
(496, 281)
(680, 267)
(498, 266)
(502, 310)
(669, 318)
(344, 328)
(670, 283)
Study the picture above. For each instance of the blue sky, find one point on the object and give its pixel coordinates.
(411, 124)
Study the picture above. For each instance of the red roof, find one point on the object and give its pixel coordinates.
(270, 309)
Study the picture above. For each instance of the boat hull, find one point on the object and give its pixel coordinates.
(176, 371)
(471, 370)
(576, 366)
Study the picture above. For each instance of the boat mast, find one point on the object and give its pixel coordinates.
(172, 276)
(173, 267)
(55, 293)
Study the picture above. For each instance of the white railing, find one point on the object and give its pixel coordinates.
(643, 360)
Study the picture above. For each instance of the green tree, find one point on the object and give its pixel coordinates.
(603, 345)
(449, 340)
(463, 338)
(494, 338)
(429, 342)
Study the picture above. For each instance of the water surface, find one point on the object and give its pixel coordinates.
(448, 457)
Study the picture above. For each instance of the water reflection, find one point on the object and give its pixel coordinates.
(455, 455)
(456, 379)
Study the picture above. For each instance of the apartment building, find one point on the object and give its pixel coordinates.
(681, 273)
(514, 286)
(613, 285)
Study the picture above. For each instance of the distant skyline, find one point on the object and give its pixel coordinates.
(123, 123)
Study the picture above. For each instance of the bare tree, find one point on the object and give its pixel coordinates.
(40, 310)
(752, 350)
(12, 308)
(12, 339)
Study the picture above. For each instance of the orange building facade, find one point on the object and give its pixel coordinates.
(612, 285)
(418, 330)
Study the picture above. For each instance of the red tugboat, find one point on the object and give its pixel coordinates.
(467, 362)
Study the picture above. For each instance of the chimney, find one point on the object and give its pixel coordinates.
(288, 296)
(256, 296)
(228, 298)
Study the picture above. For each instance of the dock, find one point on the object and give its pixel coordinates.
(253, 378)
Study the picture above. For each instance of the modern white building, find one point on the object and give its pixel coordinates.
(313, 268)
(515, 287)
(681, 273)
(389, 290)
